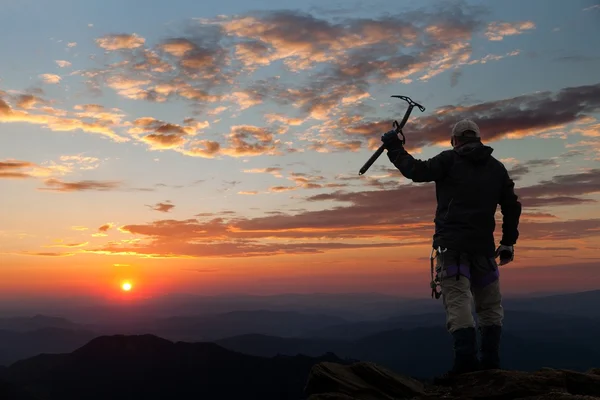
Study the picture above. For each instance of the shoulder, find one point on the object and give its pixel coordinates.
(447, 154)
(499, 164)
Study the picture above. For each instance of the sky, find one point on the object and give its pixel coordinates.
(188, 147)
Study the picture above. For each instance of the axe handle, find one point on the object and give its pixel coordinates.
(371, 160)
(398, 127)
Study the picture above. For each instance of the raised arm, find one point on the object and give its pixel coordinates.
(430, 170)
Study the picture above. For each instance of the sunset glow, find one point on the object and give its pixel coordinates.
(212, 148)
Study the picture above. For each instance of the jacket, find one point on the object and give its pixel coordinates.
(470, 184)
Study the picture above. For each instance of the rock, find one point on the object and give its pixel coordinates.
(368, 381)
(362, 380)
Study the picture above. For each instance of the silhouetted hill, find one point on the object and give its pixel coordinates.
(424, 351)
(213, 327)
(15, 346)
(149, 367)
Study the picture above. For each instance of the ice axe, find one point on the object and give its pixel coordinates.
(398, 127)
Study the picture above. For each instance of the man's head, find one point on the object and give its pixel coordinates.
(465, 131)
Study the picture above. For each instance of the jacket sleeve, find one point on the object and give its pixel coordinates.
(434, 169)
(511, 211)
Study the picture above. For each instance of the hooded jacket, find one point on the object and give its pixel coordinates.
(470, 184)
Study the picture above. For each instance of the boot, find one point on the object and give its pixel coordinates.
(465, 351)
(465, 355)
(490, 346)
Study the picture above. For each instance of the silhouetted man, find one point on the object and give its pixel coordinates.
(470, 183)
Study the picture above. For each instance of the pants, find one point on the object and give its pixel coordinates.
(465, 279)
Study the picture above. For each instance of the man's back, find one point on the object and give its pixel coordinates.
(468, 196)
(470, 184)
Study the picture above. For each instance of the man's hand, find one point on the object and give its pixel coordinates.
(506, 253)
(391, 140)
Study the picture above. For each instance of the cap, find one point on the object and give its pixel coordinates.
(461, 128)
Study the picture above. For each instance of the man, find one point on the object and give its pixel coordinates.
(470, 183)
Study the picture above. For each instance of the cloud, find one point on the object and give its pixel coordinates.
(105, 227)
(120, 41)
(163, 206)
(58, 185)
(45, 254)
(69, 245)
(249, 140)
(275, 171)
(50, 78)
(497, 31)
(18, 169)
(15, 169)
(520, 116)
(59, 120)
(358, 219)
(63, 63)
(521, 169)
(565, 189)
(28, 101)
(336, 64)
(161, 135)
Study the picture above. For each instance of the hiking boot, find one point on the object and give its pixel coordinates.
(465, 351)
(465, 355)
(490, 346)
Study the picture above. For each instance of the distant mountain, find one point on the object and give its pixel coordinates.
(15, 346)
(540, 325)
(530, 341)
(356, 330)
(148, 367)
(583, 304)
(23, 324)
(213, 327)
(349, 306)
(270, 346)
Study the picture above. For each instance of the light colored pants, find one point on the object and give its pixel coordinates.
(458, 296)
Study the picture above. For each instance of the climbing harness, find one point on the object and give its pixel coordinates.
(435, 281)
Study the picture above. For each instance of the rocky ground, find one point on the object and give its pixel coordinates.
(368, 381)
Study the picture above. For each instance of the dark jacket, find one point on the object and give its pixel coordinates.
(470, 183)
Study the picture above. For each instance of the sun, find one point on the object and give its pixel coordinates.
(126, 286)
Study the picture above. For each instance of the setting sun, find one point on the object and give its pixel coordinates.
(126, 286)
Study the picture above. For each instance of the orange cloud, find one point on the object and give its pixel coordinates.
(163, 207)
(71, 245)
(248, 140)
(524, 115)
(63, 63)
(105, 227)
(14, 169)
(275, 171)
(58, 185)
(50, 78)
(498, 30)
(56, 121)
(361, 219)
(120, 41)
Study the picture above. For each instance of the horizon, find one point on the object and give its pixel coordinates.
(203, 150)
